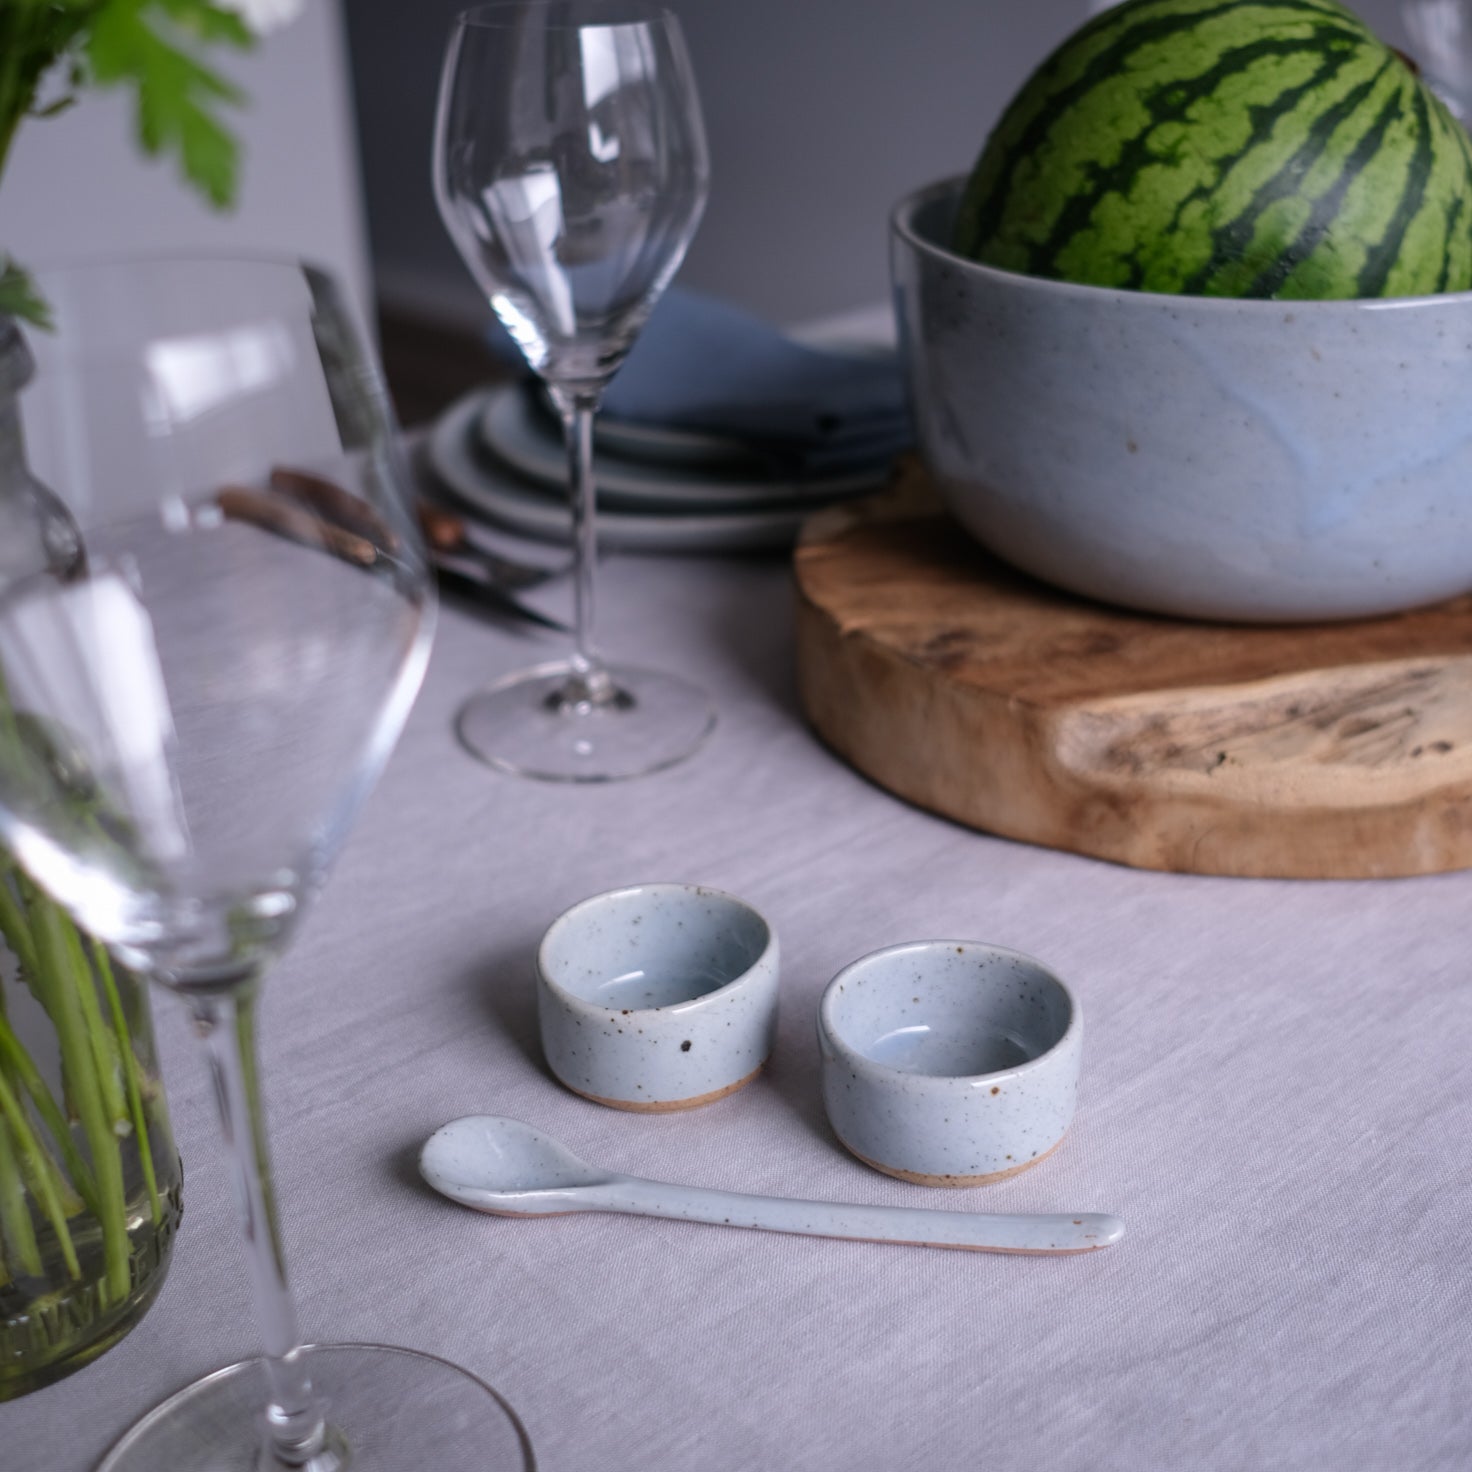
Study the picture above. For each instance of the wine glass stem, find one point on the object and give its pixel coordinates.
(577, 418)
(294, 1422)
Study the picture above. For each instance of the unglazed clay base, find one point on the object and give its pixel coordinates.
(673, 1105)
(915, 1178)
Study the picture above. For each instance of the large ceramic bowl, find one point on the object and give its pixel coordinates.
(1262, 461)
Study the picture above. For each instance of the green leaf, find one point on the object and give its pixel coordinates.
(213, 24)
(151, 45)
(19, 297)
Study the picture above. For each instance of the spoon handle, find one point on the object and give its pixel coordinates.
(915, 1226)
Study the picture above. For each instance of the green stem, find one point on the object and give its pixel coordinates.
(130, 1077)
(16, 1228)
(12, 107)
(80, 1072)
(17, 1062)
(38, 1168)
(44, 1159)
(104, 1046)
(13, 1057)
(248, 1049)
(13, 927)
(8, 127)
(18, 78)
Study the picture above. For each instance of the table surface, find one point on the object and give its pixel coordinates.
(1275, 1097)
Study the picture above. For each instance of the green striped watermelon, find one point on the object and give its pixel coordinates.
(1242, 148)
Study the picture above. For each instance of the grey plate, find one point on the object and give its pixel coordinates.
(452, 453)
(690, 448)
(515, 431)
(656, 443)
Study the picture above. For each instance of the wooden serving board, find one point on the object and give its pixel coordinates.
(1322, 751)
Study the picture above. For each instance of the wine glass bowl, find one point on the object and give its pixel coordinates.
(571, 172)
(197, 698)
(572, 212)
(180, 787)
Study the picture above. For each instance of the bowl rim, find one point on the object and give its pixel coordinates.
(575, 913)
(885, 1072)
(902, 227)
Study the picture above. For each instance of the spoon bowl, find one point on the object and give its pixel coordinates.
(484, 1159)
(508, 1168)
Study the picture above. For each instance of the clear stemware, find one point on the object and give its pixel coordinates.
(571, 172)
(214, 617)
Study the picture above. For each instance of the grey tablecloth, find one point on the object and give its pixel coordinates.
(1277, 1097)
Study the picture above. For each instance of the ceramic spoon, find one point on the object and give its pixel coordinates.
(510, 1169)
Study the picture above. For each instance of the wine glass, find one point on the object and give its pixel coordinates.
(211, 632)
(570, 170)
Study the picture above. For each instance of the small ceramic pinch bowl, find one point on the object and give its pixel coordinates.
(949, 1063)
(658, 997)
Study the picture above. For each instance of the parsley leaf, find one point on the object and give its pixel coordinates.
(19, 297)
(152, 45)
(155, 47)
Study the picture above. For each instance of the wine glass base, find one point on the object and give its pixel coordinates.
(559, 724)
(397, 1410)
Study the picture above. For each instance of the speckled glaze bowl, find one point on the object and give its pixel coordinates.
(1238, 460)
(658, 997)
(949, 1062)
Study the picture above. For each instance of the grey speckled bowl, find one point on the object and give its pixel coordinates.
(1253, 461)
(949, 1062)
(658, 997)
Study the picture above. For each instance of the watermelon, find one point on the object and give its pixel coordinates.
(1238, 148)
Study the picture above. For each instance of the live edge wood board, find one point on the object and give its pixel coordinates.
(1317, 752)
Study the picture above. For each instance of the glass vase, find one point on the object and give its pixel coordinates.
(89, 1176)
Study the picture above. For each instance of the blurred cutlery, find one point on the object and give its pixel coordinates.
(449, 534)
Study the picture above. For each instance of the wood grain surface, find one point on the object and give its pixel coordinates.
(1323, 751)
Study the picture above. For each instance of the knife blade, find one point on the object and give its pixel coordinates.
(469, 578)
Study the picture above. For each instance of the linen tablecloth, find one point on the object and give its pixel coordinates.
(1275, 1097)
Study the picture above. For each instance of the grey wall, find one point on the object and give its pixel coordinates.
(821, 114)
(76, 187)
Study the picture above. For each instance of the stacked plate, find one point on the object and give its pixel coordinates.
(500, 452)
